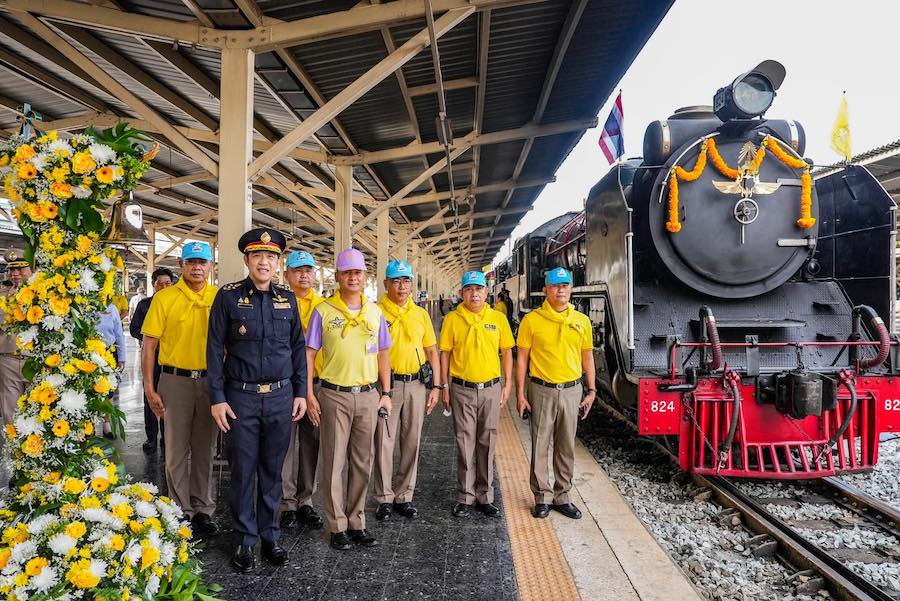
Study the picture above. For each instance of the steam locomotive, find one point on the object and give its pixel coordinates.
(737, 300)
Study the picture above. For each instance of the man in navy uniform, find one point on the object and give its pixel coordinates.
(256, 360)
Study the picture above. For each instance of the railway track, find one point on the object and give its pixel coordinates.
(813, 567)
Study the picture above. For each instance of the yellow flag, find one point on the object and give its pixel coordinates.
(840, 135)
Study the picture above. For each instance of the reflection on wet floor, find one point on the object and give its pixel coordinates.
(436, 557)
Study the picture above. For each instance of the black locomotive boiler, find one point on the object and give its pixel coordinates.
(737, 300)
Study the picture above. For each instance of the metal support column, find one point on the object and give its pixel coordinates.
(150, 266)
(235, 153)
(343, 208)
(383, 232)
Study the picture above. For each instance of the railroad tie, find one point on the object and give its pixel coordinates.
(542, 572)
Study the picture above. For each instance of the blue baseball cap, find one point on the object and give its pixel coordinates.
(474, 278)
(196, 250)
(300, 258)
(398, 269)
(558, 276)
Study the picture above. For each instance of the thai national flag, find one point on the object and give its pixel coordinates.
(612, 140)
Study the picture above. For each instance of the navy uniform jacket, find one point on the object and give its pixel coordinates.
(254, 337)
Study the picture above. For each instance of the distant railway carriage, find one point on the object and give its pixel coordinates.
(737, 303)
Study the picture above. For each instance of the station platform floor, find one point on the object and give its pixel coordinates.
(607, 555)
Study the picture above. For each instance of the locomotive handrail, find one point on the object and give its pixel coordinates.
(797, 345)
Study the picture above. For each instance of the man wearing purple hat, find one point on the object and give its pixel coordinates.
(353, 338)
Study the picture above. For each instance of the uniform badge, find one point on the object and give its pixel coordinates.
(265, 237)
(282, 305)
(242, 330)
(244, 302)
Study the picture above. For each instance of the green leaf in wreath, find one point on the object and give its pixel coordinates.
(28, 252)
(30, 367)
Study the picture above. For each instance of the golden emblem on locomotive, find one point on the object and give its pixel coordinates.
(747, 182)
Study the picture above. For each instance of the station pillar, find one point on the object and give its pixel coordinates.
(235, 153)
(343, 208)
(383, 235)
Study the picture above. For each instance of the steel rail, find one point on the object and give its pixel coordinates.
(862, 503)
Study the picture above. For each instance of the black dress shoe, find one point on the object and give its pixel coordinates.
(274, 553)
(340, 541)
(288, 519)
(383, 512)
(307, 516)
(242, 559)
(541, 510)
(461, 510)
(406, 510)
(567, 509)
(203, 526)
(488, 509)
(362, 537)
(149, 447)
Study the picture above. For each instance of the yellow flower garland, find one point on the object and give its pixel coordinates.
(708, 150)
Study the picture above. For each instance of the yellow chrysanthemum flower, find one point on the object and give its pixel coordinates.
(87, 367)
(74, 486)
(33, 445)
(81, 575)
(83, 162)
(34, 314)
(149, 554)
(60, 305)
(53, 360)
(10, 430)
(60, 427)
(24, 152)
(35, 566)
(76, 530)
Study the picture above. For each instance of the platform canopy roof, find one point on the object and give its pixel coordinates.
(521, 81)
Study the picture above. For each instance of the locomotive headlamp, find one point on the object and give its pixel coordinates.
(751, 94)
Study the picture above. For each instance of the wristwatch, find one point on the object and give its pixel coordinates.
(441, 386)
(388, 393)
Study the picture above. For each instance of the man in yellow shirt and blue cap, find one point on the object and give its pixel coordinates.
(473, 337)
(298, 479)
(556, 349)
(414, 343)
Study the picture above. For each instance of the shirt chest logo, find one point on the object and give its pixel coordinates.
(336, 323)
(490, 327)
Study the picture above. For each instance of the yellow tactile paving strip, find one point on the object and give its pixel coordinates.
(541, 569)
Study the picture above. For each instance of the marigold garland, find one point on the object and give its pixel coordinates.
(708, 150)
(72, 526)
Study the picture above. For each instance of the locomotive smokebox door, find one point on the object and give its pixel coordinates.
(801, 394)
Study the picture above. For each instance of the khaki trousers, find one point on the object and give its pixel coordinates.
(476, 417)
(405, 422)
(190, 442)
(554, 419)
(347, 438)
(298, 477)
(12, 386)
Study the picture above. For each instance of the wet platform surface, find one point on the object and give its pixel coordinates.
(435, 557)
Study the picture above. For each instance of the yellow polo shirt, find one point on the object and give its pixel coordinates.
(410, 334)
(305, 305)
(350, 354)
(555, 348)
(179, 317)
(501, 307)
(469, 360)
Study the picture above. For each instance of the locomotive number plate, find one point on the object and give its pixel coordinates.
(659, 413)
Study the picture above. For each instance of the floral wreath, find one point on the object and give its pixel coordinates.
(72, 525)
(708, 149)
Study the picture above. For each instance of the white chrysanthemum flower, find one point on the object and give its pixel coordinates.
(151, 488)
(52, 322)
(61, 543)
(116, 499)
(152, 585)
(72, 401)
(40, 523)
(28, 335)
(134, 552)
(81, 139)
(81, 192)
(40, 160)
(113, 381)
(59, 146)
(167, 554)
(145, 509)
(105, 264)
(87, 282)
(28, 425)
(46, 580)
(98, 568)
(55, 380)
(100, 361)
(23, 551)
(102, 153)
(93, 514)
(68, 338)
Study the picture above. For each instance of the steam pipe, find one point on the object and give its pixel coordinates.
(733, 380)
(847, 380)
(712, 331)
(881, 331)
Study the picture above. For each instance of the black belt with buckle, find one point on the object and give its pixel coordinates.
(353, 389)
(259, 388)
(194, 374)
(405, 377)
(556, 386)
(475, 385)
